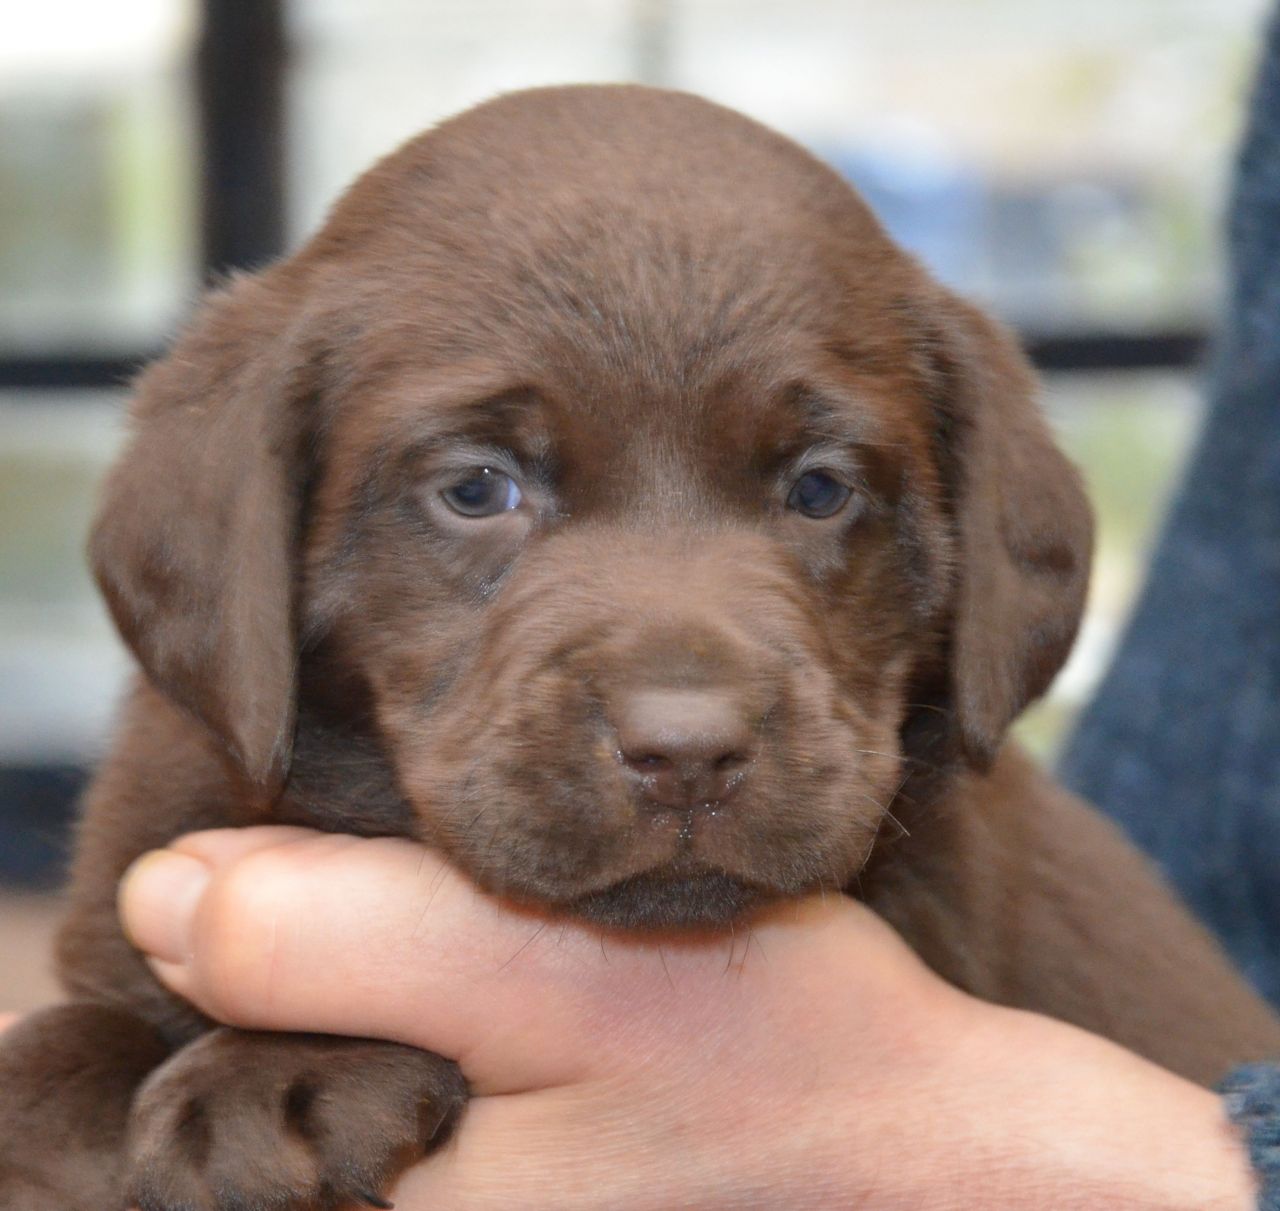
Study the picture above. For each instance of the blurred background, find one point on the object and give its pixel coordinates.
(1062, 160)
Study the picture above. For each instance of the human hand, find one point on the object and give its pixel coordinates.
(809, 1061)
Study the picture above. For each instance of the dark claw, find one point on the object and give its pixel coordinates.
(373, 1200)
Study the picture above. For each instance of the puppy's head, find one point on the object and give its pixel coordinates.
(646, 501)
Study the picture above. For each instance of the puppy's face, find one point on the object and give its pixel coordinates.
(642, 655)
(642, 488)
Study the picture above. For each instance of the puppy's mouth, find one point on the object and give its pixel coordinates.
(681, 895)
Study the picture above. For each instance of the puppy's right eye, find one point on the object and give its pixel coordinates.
(483, 492)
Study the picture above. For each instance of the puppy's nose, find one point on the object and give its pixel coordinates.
(686, 748)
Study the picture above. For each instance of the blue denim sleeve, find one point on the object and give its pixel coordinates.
(1182, 744)
(1252, 1097)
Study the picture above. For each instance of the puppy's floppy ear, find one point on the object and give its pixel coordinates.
(193, 545)
(1024, 530)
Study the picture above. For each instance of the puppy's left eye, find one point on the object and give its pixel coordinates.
(483, 492)
(817, 494)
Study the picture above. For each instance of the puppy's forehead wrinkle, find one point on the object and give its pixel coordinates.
(652, 320)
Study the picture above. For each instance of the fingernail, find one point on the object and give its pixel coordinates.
(157, 902)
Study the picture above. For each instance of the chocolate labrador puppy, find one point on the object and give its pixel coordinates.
(601, 498)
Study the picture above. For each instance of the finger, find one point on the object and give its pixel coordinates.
(291, 930)
(161, 889)
(7, 1020)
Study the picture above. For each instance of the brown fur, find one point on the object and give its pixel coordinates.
(655, 315)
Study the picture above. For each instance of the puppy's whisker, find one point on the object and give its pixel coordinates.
(733, 941)
(533, 937)
(437, 881)
(885, 812)
(662, 956)
(875, 752)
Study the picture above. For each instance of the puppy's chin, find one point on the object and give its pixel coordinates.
(670, 898)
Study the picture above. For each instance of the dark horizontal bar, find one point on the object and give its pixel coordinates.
(1099, 351)
(69, 372)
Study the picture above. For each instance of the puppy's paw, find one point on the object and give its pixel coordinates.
(240, 1122)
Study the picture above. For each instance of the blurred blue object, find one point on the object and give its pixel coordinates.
(1182, 744)
(37, 804)
(932, 204)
